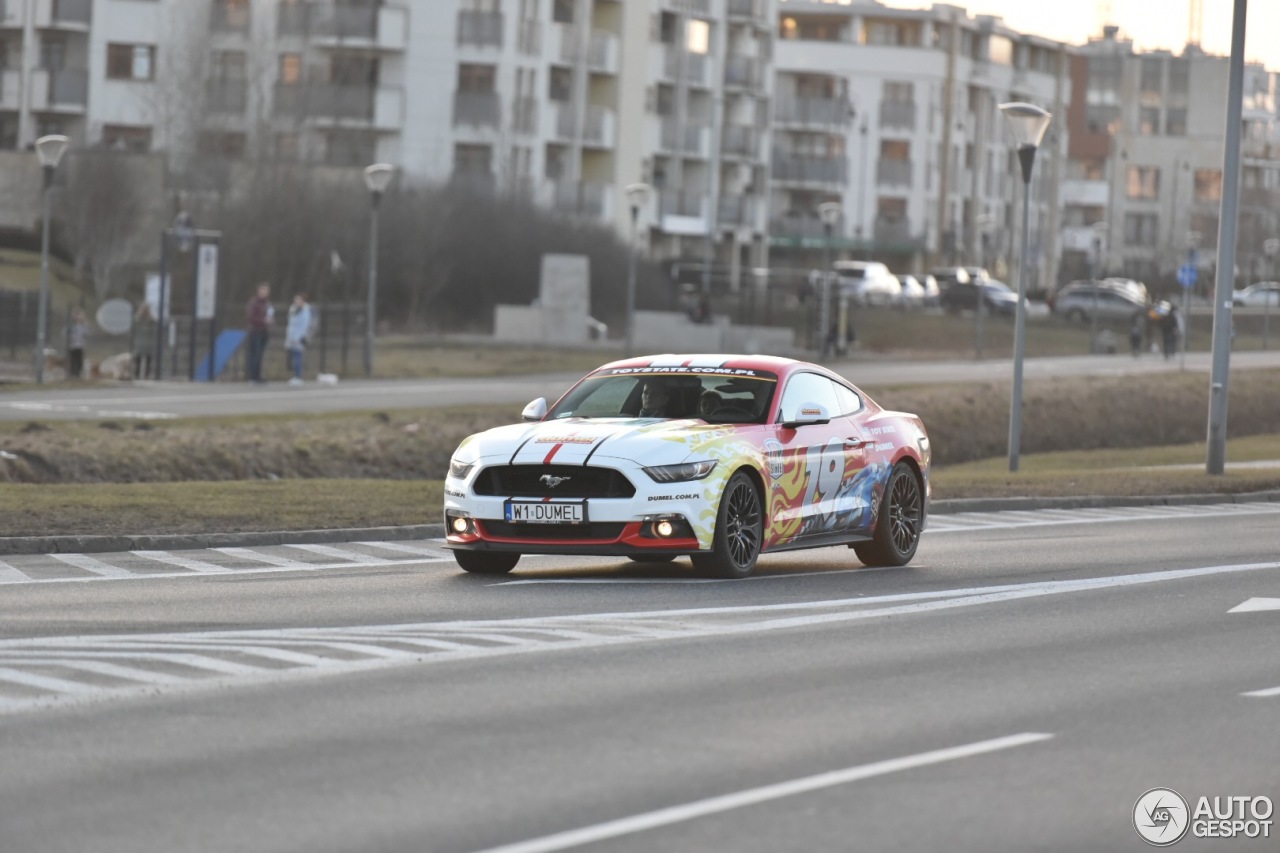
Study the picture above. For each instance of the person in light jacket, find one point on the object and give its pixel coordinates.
(77, 337)
(296, 334)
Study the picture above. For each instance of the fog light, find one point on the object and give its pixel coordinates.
(664, 529)
(459, 525)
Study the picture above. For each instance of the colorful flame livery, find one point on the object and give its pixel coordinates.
(819, 451)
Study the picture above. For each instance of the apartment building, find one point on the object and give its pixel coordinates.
(892, 114)
(1144, 182)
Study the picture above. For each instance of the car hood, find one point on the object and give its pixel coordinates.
(574, 441)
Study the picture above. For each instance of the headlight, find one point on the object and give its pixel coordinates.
(681, 473)
(460, 470)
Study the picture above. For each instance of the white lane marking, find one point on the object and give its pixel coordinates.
(8, 574)
(763, 794)
(342, 554)
(182, 562)
(89, 564)
(229, 570)
(1254, 605)
(1270, 691)
(439, 553)
(1129, 514)
(250, 554)
(101, 413)
(45, 682)
(115, 670)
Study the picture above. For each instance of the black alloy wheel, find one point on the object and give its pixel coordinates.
(900, 523)
(739, 531)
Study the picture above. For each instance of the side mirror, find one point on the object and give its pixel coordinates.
(535, 411)
(805, 415)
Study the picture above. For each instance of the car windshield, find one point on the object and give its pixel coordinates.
(715, 395)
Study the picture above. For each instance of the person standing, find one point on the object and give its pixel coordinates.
(77, 337)
(144, 341)
(258, 315)
(296, 334)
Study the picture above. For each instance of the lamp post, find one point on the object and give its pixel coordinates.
(1025, 125)
(637, 197)
(50, 150)
(1099, 232)
(376, 178)
(829, 212)
(1271, 247)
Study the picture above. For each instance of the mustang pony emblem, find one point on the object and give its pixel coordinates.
(551, 481)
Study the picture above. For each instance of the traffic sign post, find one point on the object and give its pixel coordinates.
(1187, 274)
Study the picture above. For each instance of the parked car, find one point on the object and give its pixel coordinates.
(947, 277)
(717, 458)
(867, 282)
(931, 290)
(1078, 300)
(1262, 294)
(918, 291)
(996, 295)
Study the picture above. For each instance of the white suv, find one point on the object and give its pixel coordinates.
(868, 282)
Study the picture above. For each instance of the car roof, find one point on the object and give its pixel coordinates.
(727, 361)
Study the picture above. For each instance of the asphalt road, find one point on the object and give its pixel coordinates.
(181, 399)
(1018, 687)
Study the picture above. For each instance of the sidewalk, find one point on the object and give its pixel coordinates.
(194, 541)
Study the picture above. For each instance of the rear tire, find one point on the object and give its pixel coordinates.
(739, 532)
(899, 524)
(486, 562)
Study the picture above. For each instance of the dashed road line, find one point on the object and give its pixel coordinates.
(8, 574)
(258, 556)
(89, 564)
(181, 562)
(1262, 694)
(342, 554)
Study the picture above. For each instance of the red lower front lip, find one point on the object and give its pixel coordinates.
(630, 537)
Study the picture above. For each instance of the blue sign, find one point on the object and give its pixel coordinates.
(1187, 275)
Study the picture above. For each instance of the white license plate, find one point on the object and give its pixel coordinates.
(546, 512)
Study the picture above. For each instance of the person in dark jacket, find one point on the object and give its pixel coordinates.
(258, 315)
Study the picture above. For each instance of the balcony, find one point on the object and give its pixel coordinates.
(799, 226)
(476, 109)
(893, 173)
(599, 51)
(679, 64)
(10, 90)
(1085, 193)
(529, 37)
(686, 203)
(812, 112)
(742, 72)
(473, 180)
(74, 14)
(227, 17)
(13, 15)
(383, 27)
(736, 210)
(379, 106)
(479, 29)
(226, 96)
(66, 91)
(524, 116)
(740, 141)
(750, 9)
(898, 115)
(579, 198)
(894, 233)
(809, 170)
(687, 139)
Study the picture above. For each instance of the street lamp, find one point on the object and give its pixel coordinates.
(376, 178)
(1025, 125)
(829, 212)
(1099, 232)
(50, 150)
(637, 197)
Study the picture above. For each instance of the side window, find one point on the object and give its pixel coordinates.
(809, 388)
(848, 402)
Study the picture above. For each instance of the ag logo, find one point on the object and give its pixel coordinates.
(1161, 816)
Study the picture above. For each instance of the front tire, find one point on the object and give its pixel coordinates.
(900, 522)
(739, 532)
(486, 562)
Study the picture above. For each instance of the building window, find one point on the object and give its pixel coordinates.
(476, 78)
(290, 68)
(1144, 182)
(1148, 121)
(219, 144)
(131, 61)
(1208, 185)
(124, 137)
(288, 146)
(228, 65)
(1175, 121)
(472, 159)
(1140, 229)
(697, 37)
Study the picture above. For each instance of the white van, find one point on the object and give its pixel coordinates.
(868, 282)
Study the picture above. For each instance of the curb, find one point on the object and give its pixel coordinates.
(197, 541)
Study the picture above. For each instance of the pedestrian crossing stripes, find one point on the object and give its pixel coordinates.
(135, 565)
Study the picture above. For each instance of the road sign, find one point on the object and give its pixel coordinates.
(207, 282)
(1187, 275)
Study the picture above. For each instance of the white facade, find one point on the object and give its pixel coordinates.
(892, 113)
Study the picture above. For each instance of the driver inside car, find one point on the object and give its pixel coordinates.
(708, 404)
(654, 398)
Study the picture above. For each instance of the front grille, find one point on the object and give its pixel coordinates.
(577, 481)
(606, 531)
